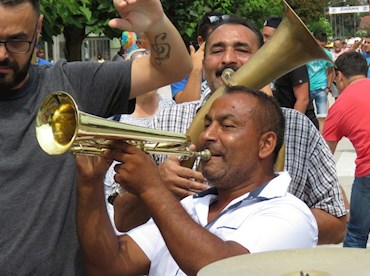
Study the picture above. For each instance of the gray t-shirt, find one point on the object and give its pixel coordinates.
(37, 191)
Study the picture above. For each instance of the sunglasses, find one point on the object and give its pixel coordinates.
(218, 18)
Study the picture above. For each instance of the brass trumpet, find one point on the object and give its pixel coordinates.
(60, 127)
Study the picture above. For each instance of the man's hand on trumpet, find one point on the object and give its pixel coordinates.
(181, 181)
(138, 172)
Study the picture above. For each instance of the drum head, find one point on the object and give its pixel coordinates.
(321, 261)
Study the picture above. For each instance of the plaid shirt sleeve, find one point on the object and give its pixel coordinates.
(177, 118)
(311, 165)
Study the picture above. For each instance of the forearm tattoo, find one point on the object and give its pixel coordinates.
(161, 49)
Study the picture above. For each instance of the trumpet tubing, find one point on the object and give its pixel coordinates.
(61, 127)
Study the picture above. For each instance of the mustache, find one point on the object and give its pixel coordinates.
(7, 63)
(219, 71)
(211, 148)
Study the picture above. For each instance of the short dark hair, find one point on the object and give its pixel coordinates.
(321, 36)
(351, 64)
(206, 23)
(273, 21)
(10, 3)
(233, 19)
(268, 114)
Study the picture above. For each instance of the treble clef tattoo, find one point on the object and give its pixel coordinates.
(160, 48)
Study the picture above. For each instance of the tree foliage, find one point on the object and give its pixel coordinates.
(77, 18)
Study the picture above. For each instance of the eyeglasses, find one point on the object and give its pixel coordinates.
(218, 18)
(18, 46)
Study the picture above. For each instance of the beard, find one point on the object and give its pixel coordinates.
(19, 74)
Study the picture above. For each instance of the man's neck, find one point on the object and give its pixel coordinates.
(355, 79)
(226, 196)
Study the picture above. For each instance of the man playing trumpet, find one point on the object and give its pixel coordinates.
(248, 209)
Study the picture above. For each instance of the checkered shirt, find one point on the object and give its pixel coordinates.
(311, 165)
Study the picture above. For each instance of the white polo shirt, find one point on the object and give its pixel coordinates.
(271, 219)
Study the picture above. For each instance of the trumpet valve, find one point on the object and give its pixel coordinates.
(226, 77)
(205, 155)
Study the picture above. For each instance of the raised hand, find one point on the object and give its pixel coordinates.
(137, 15)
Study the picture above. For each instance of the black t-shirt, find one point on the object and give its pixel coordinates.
(284, 93)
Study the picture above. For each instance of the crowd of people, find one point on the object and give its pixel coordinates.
(130, 213)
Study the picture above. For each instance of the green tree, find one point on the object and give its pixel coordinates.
(76, 19)
(322, 25)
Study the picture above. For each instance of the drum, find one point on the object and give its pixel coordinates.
(320, 261)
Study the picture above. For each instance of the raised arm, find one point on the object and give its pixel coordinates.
(193, 87)
(301, 93)
(104, 252)
(169, 60)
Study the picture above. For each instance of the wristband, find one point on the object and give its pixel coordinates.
(112, 197)
(119, 191)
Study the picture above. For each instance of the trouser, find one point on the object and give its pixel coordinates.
(320, 98)
(359, 222)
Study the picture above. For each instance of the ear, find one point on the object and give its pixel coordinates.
(139, 43)
(200, 40)
(39, 25)
(267, 144)
(341, 81)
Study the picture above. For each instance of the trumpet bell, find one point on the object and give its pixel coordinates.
(61, 127)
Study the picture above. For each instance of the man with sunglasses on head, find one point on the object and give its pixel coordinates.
(192, 86)
(37, 191)
(308, 158)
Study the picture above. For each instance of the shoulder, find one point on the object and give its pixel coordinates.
(295, 119)
(328, 53)
(299, 129)
(178, 115)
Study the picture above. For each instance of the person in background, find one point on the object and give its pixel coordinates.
(39, 56)
(244, 130)
(349, 117)
(291, 90)
(338, 49)
(191, 87)
(311, 164)
(120, 55)
(321, 75)
(146, 106)
(100, 58)
(366, 52)
(38, 234)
